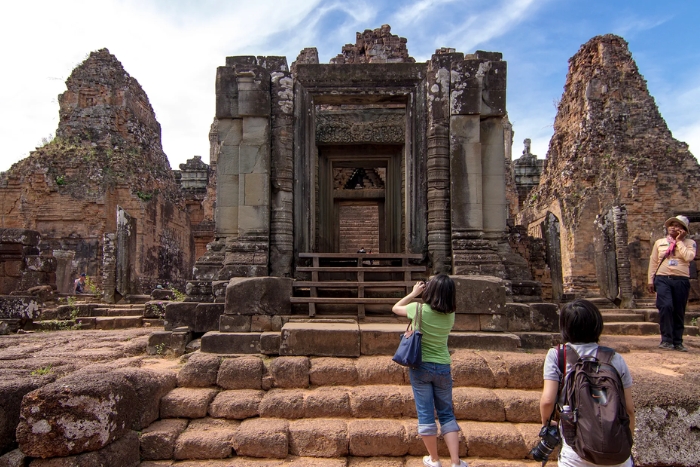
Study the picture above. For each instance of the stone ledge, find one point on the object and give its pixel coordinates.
(484, 341)
(231, 342)
(321, 339)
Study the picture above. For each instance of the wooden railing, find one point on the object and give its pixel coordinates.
(357, 265)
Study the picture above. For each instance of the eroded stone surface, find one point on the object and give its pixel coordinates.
(158, 440)
(76, 414)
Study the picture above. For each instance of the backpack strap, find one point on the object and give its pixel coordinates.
(572, 357)
(561, 362)
(604, 354)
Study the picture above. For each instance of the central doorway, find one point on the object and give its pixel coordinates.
(359, 199)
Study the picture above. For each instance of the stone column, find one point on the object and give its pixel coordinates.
(248, 239)
(109, 267)
(282, 175)
(64, 270)
(624, 272)
(438, 162)
(494, 181)
(478, 206)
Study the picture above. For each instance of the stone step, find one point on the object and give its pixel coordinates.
(325, 438)
(640, 329)
(96, 322)
(348, 339)
(347, 402)
(602, 303)
(622, 317)
(690, 319)
(64, 312)
(625, 310)
(484, 369)
(296, 461)
(115, 311)
(137, 299)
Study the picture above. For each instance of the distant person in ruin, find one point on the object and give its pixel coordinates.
(79, 285)
(669, 277)
(432, 381)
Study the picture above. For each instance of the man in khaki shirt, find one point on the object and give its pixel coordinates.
(668, 276)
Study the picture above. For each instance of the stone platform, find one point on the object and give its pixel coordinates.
(206, 410)
(349, 338)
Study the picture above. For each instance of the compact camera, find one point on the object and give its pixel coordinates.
(549, 440)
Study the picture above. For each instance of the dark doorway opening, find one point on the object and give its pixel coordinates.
(360, 203)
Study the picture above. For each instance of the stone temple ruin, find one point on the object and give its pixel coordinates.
(330, 189)
(102, 194)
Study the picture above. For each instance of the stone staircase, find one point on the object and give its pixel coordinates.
(641, 322)
(87, 312)
(339, 411)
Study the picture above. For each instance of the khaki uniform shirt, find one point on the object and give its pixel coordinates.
(678, 264)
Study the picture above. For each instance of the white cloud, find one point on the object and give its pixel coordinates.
(410, 14)
(487, 24)
(684, 120)
(631, 25)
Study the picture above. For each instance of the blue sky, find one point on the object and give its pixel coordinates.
(173, 47)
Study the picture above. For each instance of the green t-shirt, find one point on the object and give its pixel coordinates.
(436, 328)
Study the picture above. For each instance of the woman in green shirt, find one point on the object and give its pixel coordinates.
(432, 380)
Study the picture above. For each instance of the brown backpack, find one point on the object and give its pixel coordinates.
(600, 433)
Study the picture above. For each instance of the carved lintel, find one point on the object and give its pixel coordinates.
(387, 127)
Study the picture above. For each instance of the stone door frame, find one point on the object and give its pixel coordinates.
(388, 156)
(359, 85)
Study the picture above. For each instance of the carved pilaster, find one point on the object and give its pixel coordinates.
(282, 175)
(624, 273)
(438, 163)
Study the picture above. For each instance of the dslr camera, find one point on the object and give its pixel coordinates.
(549, 440)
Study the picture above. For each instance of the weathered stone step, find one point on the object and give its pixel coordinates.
(137, 299)
(86, 310)
(343, 339)
(622, 317)
(295, 461)
(97, 322)
(212, 438)
(640, 329)
(373, 401)
(129, 310)
(494, 370)
(691, 317)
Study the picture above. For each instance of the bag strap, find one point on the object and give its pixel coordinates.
(572, 357)
(604, 354)
(658, 267)
(418, 318)
(561, 362)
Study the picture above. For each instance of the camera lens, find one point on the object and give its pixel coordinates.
(550, 439)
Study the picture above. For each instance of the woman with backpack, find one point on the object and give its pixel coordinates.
(595, 386)
(432, 380)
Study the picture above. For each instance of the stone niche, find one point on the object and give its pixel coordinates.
(432, 132)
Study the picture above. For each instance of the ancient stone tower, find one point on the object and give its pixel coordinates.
(614, 174)
(416, 150)
(102, 193)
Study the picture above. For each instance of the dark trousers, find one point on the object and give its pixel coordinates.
(671, 298)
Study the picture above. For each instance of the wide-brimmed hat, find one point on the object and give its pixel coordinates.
(680, 219)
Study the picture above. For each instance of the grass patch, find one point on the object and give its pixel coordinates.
(44, 370)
